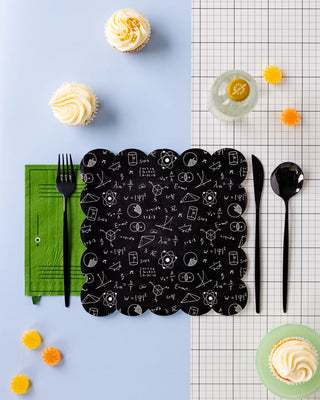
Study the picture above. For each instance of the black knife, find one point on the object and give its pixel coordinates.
(258, 177)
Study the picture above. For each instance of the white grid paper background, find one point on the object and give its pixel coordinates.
(249, 35)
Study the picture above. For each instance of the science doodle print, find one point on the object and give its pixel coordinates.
(163, 232)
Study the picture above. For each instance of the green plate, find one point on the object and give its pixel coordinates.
(272, 383)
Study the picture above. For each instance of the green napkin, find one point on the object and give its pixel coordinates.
(44, 233)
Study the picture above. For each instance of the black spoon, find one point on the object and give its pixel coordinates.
(286, 181)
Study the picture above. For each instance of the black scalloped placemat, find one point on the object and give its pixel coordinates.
(163, 232)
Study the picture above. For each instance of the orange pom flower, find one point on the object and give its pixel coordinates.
(19, 384)
(290, 117)
(51, 356)
(31, 339)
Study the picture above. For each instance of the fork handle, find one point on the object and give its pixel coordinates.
(66, 267)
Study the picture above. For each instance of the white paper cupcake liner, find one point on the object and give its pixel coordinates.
(93, 115)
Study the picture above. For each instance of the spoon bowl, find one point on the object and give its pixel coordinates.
(286, 181)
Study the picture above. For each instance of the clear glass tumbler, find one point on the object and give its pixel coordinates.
(233, 95)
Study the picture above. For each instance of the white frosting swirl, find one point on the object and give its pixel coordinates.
(127, 30)
(74, 104)
(294, 360)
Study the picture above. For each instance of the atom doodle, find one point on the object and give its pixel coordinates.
(109, 298)
(109, 198)
(210, 298)
(209, 198)
(167, 259)
(163, 232)
(166, 159)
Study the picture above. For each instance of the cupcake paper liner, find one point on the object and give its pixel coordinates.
(279, 343)
(93, 115)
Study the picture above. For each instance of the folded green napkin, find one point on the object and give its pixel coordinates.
(44, 233)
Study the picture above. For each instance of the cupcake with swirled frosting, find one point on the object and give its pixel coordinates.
(74, 104)
(293, 360)
(127, 30)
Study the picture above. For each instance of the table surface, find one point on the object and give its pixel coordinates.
(250, 35)
(144, 103)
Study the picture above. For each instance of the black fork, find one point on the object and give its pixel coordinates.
(66, 185)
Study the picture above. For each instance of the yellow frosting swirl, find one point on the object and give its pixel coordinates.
(74, 104)
(127, 30)
(294, 360)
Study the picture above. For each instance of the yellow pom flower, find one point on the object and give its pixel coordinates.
(272, 74)
(51, 356)
(19, 384)
(290, 117)
(31, 339)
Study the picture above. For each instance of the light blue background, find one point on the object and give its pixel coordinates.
(144, 103)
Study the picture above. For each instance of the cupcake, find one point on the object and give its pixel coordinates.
(293, 360)
(74, 104)
(127, 30)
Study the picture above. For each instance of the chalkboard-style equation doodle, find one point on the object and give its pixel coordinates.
(163, 232)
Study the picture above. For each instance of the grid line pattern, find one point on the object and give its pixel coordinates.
(249, 35)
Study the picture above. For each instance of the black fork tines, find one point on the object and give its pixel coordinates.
(63, 172)
(58, 170)
(73, 175)
(67, 173)
(68, 176)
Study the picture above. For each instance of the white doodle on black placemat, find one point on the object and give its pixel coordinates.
(163, 232)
